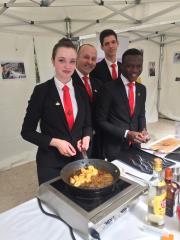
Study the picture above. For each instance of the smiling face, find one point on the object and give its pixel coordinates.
(109, 46)
(132, 67)
(64, 63)
(86, 60)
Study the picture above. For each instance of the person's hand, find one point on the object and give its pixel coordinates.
(83, 144)
(135, 137)
(145, 135)
(64, 147)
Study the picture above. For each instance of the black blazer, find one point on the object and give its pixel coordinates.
(113, 116)
(45, 106)
(102, 72)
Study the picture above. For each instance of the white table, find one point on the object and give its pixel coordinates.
(27, 222)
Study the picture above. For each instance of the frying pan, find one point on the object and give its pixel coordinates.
(71, 168)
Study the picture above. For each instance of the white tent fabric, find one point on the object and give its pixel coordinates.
(81, 17)
(150, 25)
(170, 88)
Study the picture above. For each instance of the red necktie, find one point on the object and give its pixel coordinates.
(87, 86)
(131, 97)
(68, 109)
(114, 73)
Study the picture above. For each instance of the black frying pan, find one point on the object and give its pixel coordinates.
(71, 168)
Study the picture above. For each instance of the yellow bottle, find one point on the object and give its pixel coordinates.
(157, 196)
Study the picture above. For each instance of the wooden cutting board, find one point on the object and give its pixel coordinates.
(166, 145)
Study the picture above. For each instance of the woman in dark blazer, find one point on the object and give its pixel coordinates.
(59, 141)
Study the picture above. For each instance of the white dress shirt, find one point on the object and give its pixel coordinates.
(109, 66)
(125, 81)
(59, 86)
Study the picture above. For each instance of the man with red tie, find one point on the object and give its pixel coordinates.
(86, 62)
(120, 110)
(109, 68)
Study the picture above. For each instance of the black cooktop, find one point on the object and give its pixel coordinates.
(141, 160)
(89, 203)
(175, 155)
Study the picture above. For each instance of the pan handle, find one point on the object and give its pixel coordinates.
(84, 154)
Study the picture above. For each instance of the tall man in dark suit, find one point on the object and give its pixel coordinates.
(120, 111)
(109, 68)
(86, 62)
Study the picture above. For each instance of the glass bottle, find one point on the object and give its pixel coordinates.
(157, 196)
(172, 189)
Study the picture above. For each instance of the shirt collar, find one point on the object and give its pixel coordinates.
(60, 85)
(125, 80)
(80, 74)
(109, 63)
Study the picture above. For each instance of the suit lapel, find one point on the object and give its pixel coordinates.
(77, 80)
(138, 98)
(119, 69)
(124, 95)
(79, 104)
(93, 86)
(105, 70)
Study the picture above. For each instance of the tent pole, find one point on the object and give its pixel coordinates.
(68, 27)
(161, 58)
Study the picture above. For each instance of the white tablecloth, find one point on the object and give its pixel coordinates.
(27, 222)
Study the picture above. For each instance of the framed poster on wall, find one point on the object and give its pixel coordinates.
(12, 70)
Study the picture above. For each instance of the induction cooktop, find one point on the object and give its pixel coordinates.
(94, 213)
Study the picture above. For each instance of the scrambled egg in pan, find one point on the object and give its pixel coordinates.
(84, 176)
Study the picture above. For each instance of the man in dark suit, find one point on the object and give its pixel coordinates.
(86, 62)
(120, 111)
(109, 68)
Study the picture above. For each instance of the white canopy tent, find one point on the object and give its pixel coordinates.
(30, 28)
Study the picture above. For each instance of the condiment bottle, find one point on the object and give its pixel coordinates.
(172, 190)
(170, 237)
(157, 196)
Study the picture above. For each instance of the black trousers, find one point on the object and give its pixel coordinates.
(47, 173)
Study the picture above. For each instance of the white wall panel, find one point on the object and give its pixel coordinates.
(13, 102)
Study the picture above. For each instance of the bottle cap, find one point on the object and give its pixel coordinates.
(171, 236)
(158, 164)
(168, 173)
(165, 238)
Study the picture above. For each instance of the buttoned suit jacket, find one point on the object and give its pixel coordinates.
(102, 72)
(113, 116)
(45, 106)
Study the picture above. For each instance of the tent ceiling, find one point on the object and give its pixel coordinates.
(142, 19)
